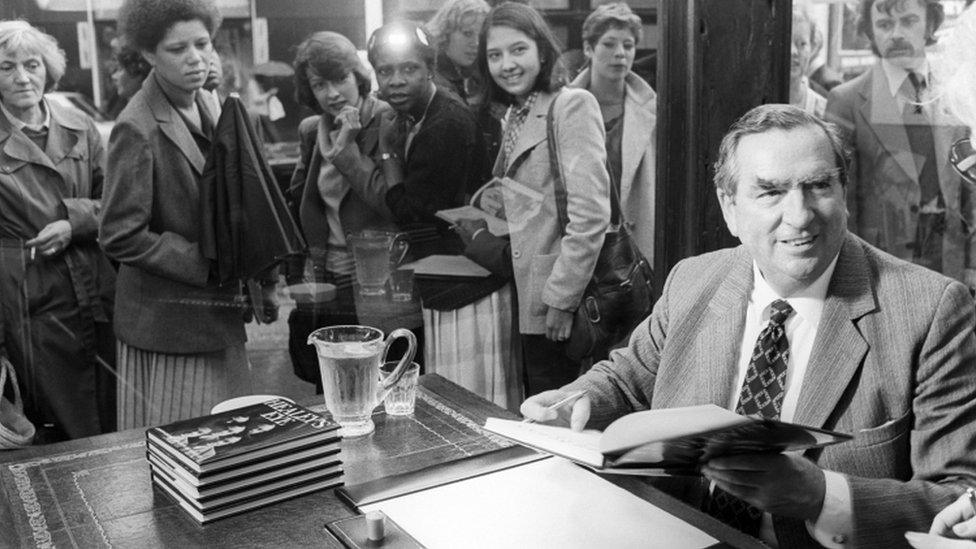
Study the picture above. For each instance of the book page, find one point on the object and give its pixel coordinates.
(583, 447)
(447, 265)
(640, 428)
(496, 226)
(546, 503)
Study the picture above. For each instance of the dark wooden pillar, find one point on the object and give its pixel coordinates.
(717, 59)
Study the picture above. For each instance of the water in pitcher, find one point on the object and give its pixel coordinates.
(372, 266)
(349, 382)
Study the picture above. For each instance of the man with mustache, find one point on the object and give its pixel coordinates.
(905, 198)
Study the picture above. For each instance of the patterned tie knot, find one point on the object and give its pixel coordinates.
(780, 310)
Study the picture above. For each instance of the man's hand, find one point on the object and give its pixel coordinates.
(559, 323)
(781, 484)
(53, 239)
(466, 228)
(537, 408)
(957, 520)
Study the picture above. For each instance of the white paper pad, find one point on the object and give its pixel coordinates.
(446, 265)
(547, 503)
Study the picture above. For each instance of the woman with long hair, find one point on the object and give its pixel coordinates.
(56, 286)
(181, 335)
(551, 264)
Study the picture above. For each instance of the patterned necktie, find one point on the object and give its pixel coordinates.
(762, 394)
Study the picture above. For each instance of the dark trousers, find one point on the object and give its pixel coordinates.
(546, 364)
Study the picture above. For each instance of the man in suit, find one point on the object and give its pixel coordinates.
(836, 333)
(905, 198)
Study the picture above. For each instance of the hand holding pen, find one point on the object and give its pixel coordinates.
(959, 519)
(546, 407)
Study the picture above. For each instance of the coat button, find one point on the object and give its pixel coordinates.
(516, 254)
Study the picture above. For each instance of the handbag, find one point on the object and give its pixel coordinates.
(619, 294)
(16, 431)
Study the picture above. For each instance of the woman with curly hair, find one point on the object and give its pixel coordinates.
(455, 30)
(181, 336)
(55, 285)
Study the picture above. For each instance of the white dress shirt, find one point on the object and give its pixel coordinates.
(835, 523)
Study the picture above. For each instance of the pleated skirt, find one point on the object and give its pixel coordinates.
(159, 388)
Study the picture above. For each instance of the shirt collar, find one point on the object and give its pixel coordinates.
(20, 124)
(897, 75)
(808, 302)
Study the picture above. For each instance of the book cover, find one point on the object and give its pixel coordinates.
(220, 440)
(670, 441)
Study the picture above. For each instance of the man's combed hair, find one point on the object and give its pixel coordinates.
(762, 119)
(21, 36)
(144, 23)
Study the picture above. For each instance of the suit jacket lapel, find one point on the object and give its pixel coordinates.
(639, 124)
(720, 339)
(882, 115)
(172, 125)
(62, 136)
(703, 368)
(533, 130)
(839, 348)
(19, 148)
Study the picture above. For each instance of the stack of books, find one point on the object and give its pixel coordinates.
(224, 464)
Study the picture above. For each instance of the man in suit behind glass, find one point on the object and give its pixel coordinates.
(864, 343)
(905, 198)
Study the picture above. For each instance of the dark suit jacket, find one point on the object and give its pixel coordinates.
(151, 225)
(892, 364)
(436, 169)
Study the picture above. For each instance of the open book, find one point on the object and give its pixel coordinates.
(503, 203)
(669, 441)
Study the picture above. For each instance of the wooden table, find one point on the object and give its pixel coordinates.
(96, 492)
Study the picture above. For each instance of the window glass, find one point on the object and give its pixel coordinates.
(880, 89)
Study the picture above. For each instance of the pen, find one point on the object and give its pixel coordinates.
(33, 252)
(971, 494)
(573, 397)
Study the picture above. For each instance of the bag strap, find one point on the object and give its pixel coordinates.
(559, 184)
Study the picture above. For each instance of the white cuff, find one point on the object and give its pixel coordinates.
(835, 525)
(476, 233)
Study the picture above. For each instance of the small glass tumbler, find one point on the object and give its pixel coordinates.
(401, 285)
(402, 399)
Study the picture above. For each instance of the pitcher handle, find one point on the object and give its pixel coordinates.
(399, 249)
(386, 385)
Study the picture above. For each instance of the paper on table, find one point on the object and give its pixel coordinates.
(446, 265)
(547, 503)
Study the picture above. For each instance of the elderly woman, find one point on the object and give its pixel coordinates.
(629, 109)
(181, 336)
(56, 286)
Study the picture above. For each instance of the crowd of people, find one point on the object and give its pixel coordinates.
(847, 305)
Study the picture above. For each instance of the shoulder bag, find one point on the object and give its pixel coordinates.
(618, 295)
